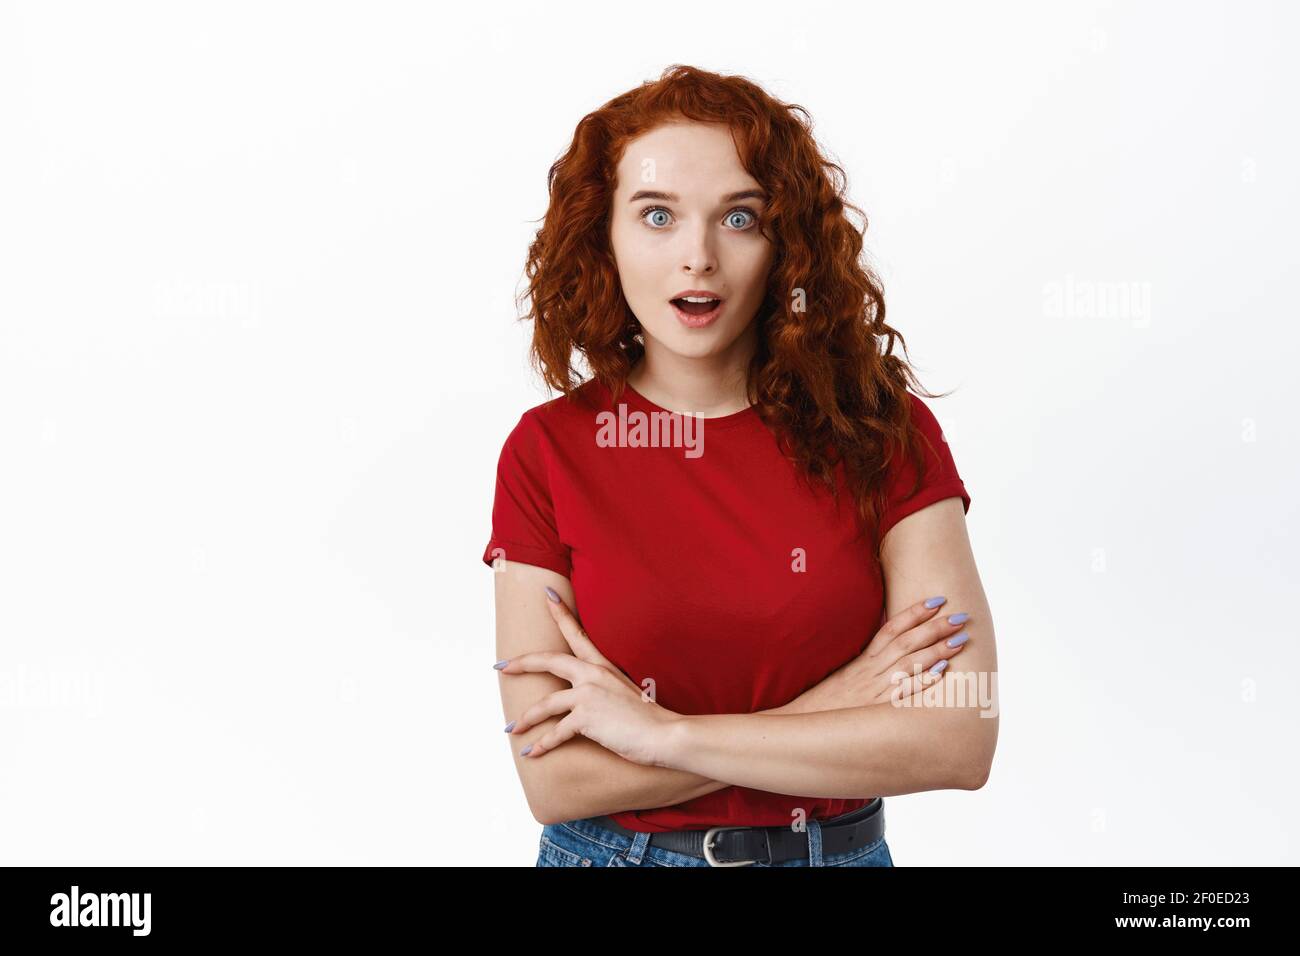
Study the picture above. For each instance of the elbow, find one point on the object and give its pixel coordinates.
(977, 773)
(544, 818)
(973, 770)
(540, 791)
(544, 810)
(547, 781)
(540, 811)
(974, 777)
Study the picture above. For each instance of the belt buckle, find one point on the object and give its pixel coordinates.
(708, 848)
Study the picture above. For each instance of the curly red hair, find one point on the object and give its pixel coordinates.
(824, 379)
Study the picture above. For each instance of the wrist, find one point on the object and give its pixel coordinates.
(675, 743)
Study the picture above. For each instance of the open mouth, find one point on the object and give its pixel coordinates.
(693, 305)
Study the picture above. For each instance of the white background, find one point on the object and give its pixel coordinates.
(259, 354)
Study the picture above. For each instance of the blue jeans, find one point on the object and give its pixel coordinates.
(586, 843)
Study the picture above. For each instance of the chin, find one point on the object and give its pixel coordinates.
(702, 344)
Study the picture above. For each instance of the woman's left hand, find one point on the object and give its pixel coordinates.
(602, 705)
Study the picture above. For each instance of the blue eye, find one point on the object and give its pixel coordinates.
(655, 209)
(741, 212)
(660, 223)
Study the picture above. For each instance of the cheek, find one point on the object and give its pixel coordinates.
(618, 243)
(629, 259)
(754, 265)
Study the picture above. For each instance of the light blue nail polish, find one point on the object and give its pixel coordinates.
(524, 752)
(935, 601)
(510, 726)
(500, 664)
(550, 593)
(938, 667)
(959, 640)
(958, 618)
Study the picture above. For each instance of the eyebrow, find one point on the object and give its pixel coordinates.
(673, 197)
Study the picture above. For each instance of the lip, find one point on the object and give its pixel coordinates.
(698, 293)
(698, 321)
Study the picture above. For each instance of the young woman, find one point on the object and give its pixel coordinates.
(735, 591)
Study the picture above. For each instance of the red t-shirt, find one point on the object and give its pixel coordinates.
(701, 560)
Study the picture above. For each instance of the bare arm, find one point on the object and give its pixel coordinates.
(880, 749)
(582, 778)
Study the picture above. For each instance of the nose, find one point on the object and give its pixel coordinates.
(700, 258)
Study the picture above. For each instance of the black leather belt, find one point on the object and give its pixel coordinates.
(738, 846)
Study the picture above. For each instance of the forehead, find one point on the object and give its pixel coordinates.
(684, 158)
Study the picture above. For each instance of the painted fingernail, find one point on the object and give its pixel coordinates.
(935, 601)
(937, 668)
(510, 726)
(550, 593)
(500, 664)
(958, 618)
(524, 752)
(960, 639)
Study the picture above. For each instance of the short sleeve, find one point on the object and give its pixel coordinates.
(940, 479)
(523, 513)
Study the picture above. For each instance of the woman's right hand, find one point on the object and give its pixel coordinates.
(912, 641)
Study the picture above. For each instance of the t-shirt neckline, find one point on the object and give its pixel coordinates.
(640, 402)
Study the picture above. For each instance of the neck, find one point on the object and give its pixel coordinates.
(711, 385)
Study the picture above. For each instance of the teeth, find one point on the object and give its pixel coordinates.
(697, 298)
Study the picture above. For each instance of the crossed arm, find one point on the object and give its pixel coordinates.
(876, 750)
